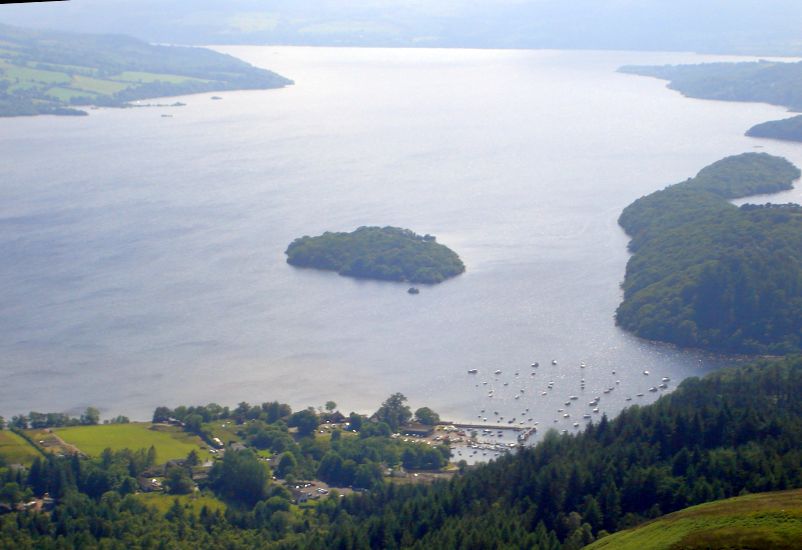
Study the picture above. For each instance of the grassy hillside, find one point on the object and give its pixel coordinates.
(764, 520)
(44, 72)
(15, 450)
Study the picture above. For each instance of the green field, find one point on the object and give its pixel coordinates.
(162, 502)
(97, 85)
(170, 442)
(134, 76)
(759, 521)
(66, 94)
(15, 450)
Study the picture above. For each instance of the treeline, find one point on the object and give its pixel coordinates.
(384, 253)
(39, 420)
(705, 273)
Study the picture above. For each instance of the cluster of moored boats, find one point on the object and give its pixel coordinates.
(526, 419)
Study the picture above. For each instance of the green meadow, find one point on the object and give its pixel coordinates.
(15, 450)
(170, 442)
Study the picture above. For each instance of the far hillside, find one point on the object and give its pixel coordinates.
(45, 72)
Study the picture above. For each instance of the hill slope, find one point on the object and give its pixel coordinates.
(44, 72)
(761, 521)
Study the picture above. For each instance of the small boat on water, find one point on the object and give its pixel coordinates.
(473, 371)
(413, 290)
(645, 373)
(652, 389)
(553, 361)
(497, 372)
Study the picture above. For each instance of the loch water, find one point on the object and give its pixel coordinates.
(142, 256)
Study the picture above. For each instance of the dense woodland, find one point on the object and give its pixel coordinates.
(764, 81)
(384, 253)
(45, 72)
(789, 129)
(734, 432)
(705, 273)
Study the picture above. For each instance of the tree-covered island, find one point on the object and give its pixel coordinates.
(47, 72)
(383, 253)
(706, 273)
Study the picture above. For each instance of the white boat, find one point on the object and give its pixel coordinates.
(473, 371)
(553, 361)
(497, 372)
(646, 373)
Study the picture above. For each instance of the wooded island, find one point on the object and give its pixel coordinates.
(383, 253)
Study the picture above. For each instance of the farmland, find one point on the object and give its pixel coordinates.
(15, 450)
(45, 72)
(170, 442)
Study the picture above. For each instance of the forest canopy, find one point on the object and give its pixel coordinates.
(706, 273)
(384, 253)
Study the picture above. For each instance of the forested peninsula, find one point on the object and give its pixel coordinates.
(771, 82)
(705, 273)
(383, 253)
(789, 129)
(762, 81)
(46, 72)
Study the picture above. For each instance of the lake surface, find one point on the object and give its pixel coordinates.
(143, 257)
